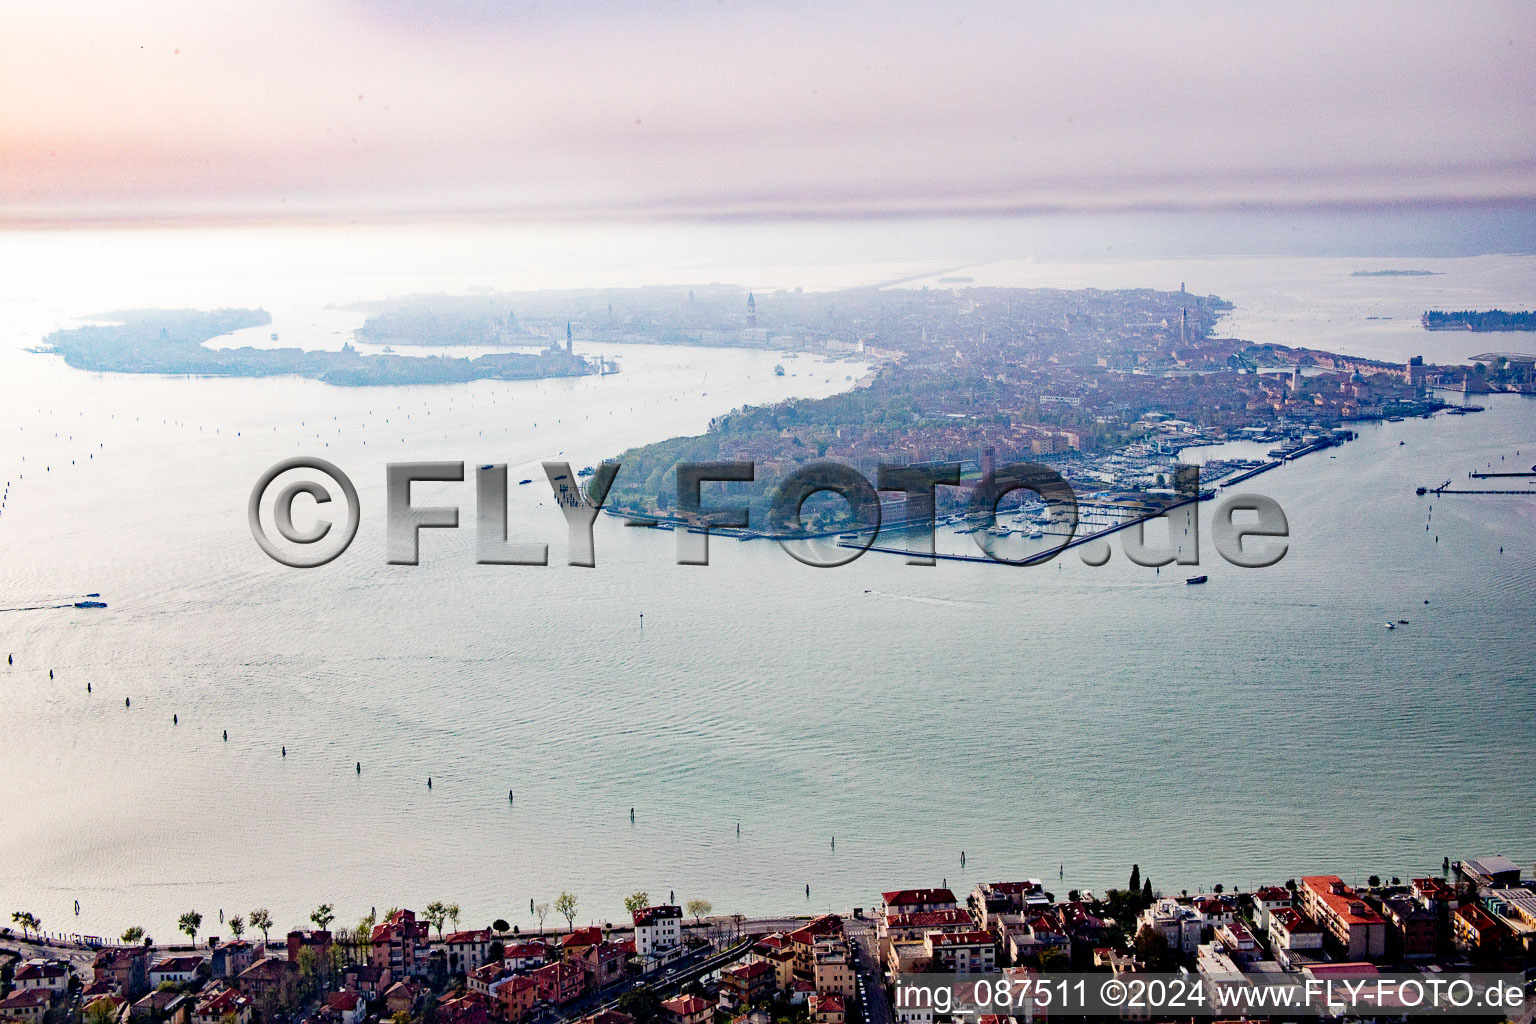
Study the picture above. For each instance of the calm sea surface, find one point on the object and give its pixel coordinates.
(1042, 720)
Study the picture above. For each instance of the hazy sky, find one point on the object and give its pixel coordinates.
(189, 109)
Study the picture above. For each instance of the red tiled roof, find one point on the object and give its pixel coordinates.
(645, 915)
(463, 938)
(343, 1002)
(960, 939)
(1341, 900)
(25, 999)
(828, 1002)
(1293, 922)
(685, 1006)
(910, 897)
(928, 919)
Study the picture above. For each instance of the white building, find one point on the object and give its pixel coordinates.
(657, 929)
(1179, 926)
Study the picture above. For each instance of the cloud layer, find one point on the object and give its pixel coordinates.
(172, 110)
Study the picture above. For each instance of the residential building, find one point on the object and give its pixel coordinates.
(177, 970)
(1179, 926)
(525, 956)
(1289, 930)
(823, 933)
(775, 949)
(230, 958)
(826, 1008)
(267, 976)
(1478, 932)
(51, 976)
(687, 1010)
(747, 983)
(468, 1008)
(1412, 929)
(317, 942)
(1360, 932)
(169, 1006)
(962, 952)
(1238, 942)
(604, 963)
(467, 950)
(832, 971)
(1267, 900)
(913, 901)
(657, 929)
(26, 1005)
(559, 983)
(515, 999)
(402, 996)
(368, 980)
(124, 968)
(901, 927)
(989, 899)
(223, 1006)
(345, 1007)
(401, 945)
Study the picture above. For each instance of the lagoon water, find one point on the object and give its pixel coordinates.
(1040, 719)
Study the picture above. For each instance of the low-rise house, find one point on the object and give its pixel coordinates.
(172, 1007)
(27, 1005)
(525, 956)
(800, 991)
(51, 976)
(345, 1007)
(469, 1008)
(467, 950)
(223, 1006)
(687, 1010)
(1435, 894)
(826, 1008)
(175, 970)
(913, 901)
(487, 979)
(1214, 912)
(402, 996)
(747, 983)
(962, 953)
(368, 980)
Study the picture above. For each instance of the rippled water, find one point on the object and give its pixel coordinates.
(1262, 726)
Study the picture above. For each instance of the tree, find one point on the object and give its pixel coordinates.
(496, 952)
(453, 914)
(237, 926)
(1218, 889)
(102, 1011)
(699, 909)
(190, 922)
(1055, 960)
(541, 911)
(323, 916)
(640, 1003)
(500, 926)
(1146, 892)
(637, 901)
(261, 918)
(27, 920)
(1373, 881)
(133, 936)
(1152, 950)
(436, 913)
(1135, 885)
(565, 906)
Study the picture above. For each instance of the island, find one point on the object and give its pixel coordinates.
(1478, 320)
(173, 341)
